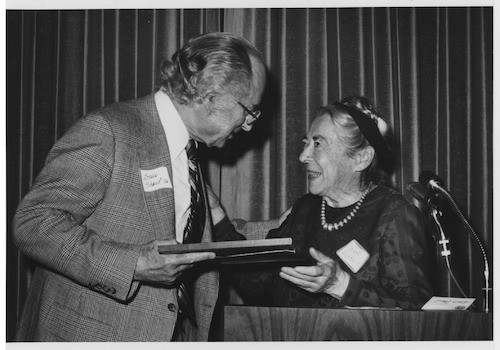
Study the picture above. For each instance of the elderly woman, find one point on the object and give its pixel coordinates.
(366, 241)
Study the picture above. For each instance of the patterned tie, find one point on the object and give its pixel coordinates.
(196, 218)
(193, 230)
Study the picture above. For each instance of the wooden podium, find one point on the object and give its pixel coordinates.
(250, 323)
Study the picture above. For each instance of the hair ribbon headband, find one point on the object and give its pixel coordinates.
(369, 129)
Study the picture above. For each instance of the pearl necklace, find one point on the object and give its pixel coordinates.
(329, 226)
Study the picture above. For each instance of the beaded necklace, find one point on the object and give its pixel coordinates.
(329, 226)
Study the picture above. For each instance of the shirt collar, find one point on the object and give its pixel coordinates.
(175, 130)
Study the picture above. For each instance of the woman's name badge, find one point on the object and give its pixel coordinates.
(353, 255)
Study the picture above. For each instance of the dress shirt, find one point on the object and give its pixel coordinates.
(177, 139)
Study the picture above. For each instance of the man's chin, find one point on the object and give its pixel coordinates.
(214, 144)
(219, 143)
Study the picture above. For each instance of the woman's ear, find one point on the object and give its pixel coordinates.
(364, 158)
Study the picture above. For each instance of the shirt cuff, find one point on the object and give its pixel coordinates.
(339, 288)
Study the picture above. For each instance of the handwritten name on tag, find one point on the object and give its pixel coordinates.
(155, 179)
(353, 255)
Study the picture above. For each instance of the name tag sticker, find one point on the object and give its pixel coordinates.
(353, 255)
(155, 179)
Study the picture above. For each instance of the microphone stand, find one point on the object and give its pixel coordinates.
(445, 252)
(469, 228)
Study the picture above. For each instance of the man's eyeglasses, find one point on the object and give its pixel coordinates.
(253, 114)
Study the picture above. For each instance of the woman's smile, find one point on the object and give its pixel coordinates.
(313, 174)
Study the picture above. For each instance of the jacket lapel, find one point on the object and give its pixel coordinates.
(156, 171)
(153, 156)
(156, 178)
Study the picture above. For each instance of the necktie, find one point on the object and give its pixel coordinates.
(196, 219)
(193, 230)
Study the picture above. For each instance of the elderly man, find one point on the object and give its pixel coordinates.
(123, 181)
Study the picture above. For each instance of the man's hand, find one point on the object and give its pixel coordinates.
(215, 208)
(165, 268)
(325, 277)
(284, 215)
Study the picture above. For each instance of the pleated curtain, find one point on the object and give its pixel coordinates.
(427, 70)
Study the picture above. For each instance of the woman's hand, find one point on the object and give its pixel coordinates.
(325, 277)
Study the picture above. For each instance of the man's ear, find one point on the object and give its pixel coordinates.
(364, 158)
(207, 98)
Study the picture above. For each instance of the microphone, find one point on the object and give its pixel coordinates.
(434, 183)
(431, 181)
(420, 193)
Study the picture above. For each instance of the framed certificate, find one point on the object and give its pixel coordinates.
(238, 252)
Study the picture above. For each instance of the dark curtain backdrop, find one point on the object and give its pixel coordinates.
(428, 70)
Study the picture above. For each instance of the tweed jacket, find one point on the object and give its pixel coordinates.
(83, 222)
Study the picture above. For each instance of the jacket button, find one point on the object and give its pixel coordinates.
(110, 290)
(171, 307)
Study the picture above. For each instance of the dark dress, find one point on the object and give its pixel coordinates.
(387, 226)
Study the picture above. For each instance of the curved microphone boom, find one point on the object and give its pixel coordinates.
(434, 183)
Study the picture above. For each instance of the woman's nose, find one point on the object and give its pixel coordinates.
(305, 155)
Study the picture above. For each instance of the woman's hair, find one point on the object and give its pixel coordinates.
(218, 62)
(353, 138)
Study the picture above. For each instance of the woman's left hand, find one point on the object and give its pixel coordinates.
(325, 277)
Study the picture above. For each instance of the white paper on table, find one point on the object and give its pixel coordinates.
(447, 303)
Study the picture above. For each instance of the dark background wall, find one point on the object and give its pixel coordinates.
(428, 70)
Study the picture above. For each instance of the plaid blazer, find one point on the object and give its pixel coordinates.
(83, 222)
